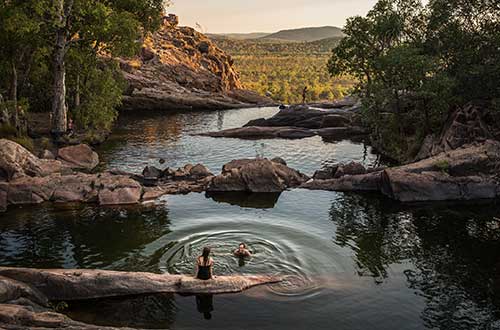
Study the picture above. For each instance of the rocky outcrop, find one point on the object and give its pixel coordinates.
(25, 293)
(79, 157)
(298, 122)
(466, 125)
(16, 161)
(256, 175)
(305, 117)
(181, 69)
(467, 173)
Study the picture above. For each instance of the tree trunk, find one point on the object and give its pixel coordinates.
(59, 108)
(13, 98)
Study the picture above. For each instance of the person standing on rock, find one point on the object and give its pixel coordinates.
(304, 95)
(204, 265)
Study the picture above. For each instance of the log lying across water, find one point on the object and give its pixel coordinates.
(69, 285)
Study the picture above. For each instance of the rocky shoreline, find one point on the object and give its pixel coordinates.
(466, 173)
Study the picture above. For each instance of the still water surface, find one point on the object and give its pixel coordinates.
(354, 261)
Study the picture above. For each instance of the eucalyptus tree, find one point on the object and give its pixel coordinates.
(106, 28)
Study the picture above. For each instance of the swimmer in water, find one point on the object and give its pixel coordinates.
(242, 251)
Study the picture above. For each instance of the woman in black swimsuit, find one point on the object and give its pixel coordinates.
(204, 265)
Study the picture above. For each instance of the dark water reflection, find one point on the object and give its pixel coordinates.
(353, 261)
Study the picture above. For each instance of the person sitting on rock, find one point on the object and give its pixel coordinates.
(204, 265)
(242, 251)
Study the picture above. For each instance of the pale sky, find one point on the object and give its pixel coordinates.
(225, 16)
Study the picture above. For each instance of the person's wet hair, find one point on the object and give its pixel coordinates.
(205, 254)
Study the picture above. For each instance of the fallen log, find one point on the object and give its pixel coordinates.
(67, 285)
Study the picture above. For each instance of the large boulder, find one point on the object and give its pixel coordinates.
(151, 172)
(436, 186)
(118, 190)
(79, 157)
(466, 173)
(16, 161)
(256, 175)
(352, 168)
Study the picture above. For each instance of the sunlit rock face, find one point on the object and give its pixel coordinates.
(180, 68)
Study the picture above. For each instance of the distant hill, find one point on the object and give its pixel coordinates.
(238, 36)
(306, 34)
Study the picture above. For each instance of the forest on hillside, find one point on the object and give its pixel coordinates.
(282, 69)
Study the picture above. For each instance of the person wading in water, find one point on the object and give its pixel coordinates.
(204, 265)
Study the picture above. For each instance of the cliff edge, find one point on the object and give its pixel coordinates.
(181, 69)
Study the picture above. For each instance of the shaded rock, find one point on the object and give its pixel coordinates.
(69, 285)
(352, 168)
(341, 133)
(279, 160)
(256, 175)
(18, 317)
(467, 173)
(358, 183)
(326, 173)
(171, 20)
(151, 172)
(335, 121)
(295, 133)
(436, 186)
(204, 47)
(199, 171)
(79, 157)
(471, 160)
(47, 154)
(469, 124)
(12, 290)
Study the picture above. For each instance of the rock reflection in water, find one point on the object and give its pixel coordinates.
(247, 200)
(143, 312)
